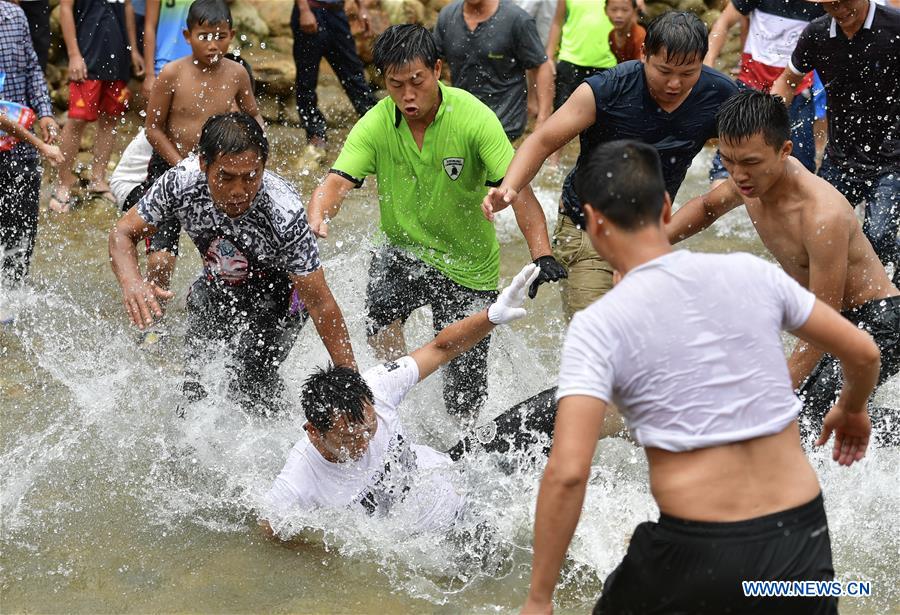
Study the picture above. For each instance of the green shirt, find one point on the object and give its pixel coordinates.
(430, 200)
(585, 35)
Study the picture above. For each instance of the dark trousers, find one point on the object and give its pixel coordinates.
(259, 323)
(38, 15)
(568, 77)
(881, 194)
(20, 191)
(680, 566)
(399, 284)
(880, 318)
(518, 429)
(335, 42)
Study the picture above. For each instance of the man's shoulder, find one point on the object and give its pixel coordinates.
(887, 17)
(286, 206)
(818, 26)
(450, 12)
(11, 11)
(467, 108)
(711, 78)
(619, 77)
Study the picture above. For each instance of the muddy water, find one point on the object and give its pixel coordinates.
(111, 504)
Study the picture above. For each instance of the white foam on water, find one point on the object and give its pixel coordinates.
(112, 430)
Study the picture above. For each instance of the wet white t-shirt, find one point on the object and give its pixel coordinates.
(688, 347)
(392, 472)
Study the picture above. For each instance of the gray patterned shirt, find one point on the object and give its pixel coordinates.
(272, 236)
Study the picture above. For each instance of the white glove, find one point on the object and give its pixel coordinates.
(508, 306)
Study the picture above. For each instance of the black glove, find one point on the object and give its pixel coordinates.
(551, 271)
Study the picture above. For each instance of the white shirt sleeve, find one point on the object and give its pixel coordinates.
(287, 491)
(587, 366)
(390, 382)
(796, 302)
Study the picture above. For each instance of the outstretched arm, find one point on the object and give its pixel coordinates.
(699, 213)
(464, 334)
(787, 84)
(578, 113)
(326, 202)
(579, 422)
(158, 116)
(860, 363)
(719, 33)
(326, 316)
(141, 298)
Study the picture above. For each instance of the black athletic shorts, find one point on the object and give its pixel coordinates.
(679, 566)
(880, 318)
(399, 283)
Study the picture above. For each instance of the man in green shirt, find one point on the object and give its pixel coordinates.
(434, 150)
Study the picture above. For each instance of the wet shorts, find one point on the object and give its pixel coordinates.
(679, 566)
(89, 98)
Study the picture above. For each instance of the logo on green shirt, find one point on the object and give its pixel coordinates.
(453, 167)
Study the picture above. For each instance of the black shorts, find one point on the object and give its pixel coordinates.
(880, 318)
(679, 566)
(399, 284)
(568, 77)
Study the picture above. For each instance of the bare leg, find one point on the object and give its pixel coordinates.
(70, 143)
(103, 143)
(389, 343)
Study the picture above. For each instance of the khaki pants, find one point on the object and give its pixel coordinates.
(590, 277)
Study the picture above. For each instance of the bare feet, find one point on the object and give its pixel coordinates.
(61, 200)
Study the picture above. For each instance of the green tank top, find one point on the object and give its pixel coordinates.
(585, 35)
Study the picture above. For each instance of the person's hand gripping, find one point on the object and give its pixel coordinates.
(508, 306)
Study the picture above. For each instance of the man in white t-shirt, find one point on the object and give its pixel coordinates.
(357, 453)
(688, 347)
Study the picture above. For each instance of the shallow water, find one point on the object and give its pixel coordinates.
(111, 504)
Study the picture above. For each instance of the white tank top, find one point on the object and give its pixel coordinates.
(688, 346)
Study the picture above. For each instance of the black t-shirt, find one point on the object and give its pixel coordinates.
(102, 39)
(490, 62)
(862, 82)
(625, 110)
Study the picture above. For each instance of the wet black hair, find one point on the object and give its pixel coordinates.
(331, 391)
(681, 34)
(623, 180)
(208, 12)
(246, 65)
(232, 133)
(402, 44)
(750, 112)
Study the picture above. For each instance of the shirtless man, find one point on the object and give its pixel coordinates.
(188, 92)
(811, 231)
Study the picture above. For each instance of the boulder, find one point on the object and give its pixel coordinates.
(248, 22)
(404, 11)
(653, 11)
(698, 7)
(276, 14)
(274, 70)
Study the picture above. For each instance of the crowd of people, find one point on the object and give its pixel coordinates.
(685, 347)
